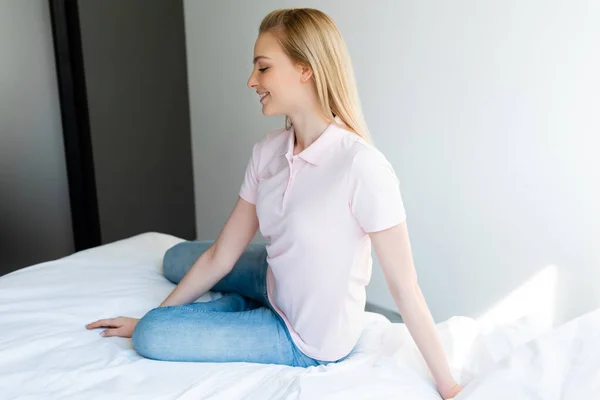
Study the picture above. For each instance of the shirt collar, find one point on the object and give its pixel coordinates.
(316, 150)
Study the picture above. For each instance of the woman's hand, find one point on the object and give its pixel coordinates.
(120, 326)
(450, 391)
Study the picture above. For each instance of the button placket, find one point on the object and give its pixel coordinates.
(290, 160)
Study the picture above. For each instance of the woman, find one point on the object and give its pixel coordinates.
(322, 195)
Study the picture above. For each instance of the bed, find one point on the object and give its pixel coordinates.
(46, 352)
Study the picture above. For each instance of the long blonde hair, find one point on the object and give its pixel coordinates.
(310, 37)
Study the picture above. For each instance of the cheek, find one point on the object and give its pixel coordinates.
(269, 81)
(283, 86)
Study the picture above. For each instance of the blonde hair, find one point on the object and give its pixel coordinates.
(310, 37)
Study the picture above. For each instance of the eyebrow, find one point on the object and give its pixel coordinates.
(258, 58)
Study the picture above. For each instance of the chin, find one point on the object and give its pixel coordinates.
(268, 113)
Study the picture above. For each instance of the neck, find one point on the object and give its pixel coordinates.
(307, 128)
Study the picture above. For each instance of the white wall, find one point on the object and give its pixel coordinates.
(488, 112)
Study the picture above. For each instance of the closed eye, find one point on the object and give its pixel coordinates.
(263, 69)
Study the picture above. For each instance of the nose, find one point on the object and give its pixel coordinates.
(252, 82)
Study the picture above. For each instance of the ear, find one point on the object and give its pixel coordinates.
(306, 72)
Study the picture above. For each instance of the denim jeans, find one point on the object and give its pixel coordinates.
(241, 326)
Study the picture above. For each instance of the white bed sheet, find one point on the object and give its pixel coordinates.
(46, 352)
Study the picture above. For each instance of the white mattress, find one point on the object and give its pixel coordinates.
(46, 352)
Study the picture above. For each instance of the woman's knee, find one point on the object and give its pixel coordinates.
(148, 338)
(178, 259)
(170, 270)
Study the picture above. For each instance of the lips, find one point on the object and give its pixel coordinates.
(263, 96)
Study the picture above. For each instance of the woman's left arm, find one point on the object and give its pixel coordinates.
(394, 253)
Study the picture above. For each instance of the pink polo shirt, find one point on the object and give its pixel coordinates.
(315, 209)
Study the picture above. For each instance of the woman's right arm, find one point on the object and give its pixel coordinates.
(218, 260)
(209, 268)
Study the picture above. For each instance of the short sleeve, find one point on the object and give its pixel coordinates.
(375, 199)
(249, 188)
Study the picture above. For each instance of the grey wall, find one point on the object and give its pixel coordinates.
(136, 80)
(35, 221)
(488, 112)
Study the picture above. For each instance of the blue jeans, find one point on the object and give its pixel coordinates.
(241, 326)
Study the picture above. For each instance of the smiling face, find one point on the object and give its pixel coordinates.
(280, 83)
